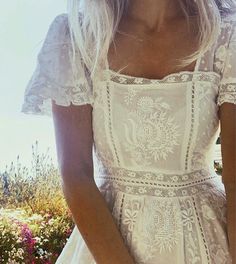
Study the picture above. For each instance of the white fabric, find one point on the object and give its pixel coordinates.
(153, 150)
(54, 77)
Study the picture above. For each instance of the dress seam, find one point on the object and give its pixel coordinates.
(201, 229)
(187, 160)
(121, 211)
(110, 124)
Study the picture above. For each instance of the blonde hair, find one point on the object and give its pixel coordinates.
(93, 23)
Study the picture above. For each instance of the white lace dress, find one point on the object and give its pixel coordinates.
(153, 149)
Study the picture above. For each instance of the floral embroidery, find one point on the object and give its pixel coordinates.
(219, 255)
(220, 54)
(188, 218)
(208, 212)
(161, 216)
(129, 96)
(150, 133)
(192, 246)
(183, 76)
(130, 214)
(227, 93)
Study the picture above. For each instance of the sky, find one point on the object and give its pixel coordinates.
(23, 27)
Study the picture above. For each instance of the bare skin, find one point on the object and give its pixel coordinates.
(145, 49)
(227, 114)
(166, 38)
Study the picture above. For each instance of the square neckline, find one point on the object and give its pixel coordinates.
(181, 76)
(190, 75)
(139, 79)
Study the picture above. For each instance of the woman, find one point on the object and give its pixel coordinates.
(135, 148)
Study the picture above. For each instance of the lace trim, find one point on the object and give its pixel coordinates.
(191, 128)
(227, 93)
(110, 124)
(121, 211)
(40, 92)
(184, 76)
(162, 185)
(202, 232)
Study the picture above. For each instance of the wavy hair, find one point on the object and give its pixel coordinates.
(93, 24)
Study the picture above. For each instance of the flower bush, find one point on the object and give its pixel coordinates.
(35, 221)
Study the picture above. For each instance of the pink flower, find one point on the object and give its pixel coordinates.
(28, 238)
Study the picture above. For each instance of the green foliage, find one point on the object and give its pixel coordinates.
(35, 221)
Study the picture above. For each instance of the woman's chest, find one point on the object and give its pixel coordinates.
(153, 55)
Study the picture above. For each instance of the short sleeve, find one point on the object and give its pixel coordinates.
(227, 87)
(54, 77)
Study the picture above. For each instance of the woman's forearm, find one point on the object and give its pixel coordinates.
(231, 218)
(95, 222)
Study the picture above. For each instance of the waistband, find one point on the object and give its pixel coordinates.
(157, 184)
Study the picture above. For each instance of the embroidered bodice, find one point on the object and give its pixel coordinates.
(167, 125)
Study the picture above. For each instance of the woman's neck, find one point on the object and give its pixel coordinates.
(153, 14)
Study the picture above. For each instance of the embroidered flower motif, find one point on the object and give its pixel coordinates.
(188, 218)
(160, 177)
(131, 209)
(151, 134)
(218, 65)
(129, 189)
(120, 173)
(193, 190)
(147, 176)
(174, 178)
(142, 190)
(158, 192)
(145, 104)
(138, 80)
(184, 77)
(185, 177)
(171, 193)
(131, 174)
(130, 218)
(129, 95)
(208, 212)
(122, 80)
(171, 78)
(221, 52)
(219, 254)
(163, 217)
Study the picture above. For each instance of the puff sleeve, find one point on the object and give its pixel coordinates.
(54, 77)
(227, 87)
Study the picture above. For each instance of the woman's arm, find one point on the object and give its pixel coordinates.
(228, 149)
(74, 140)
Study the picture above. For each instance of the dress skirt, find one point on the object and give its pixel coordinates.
(163, 218)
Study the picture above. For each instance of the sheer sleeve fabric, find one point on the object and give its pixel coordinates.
(227, 88)
(54, 78)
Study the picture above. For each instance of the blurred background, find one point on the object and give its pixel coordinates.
(23, 27)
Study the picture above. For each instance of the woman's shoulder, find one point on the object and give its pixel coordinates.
(59, 24)
(229, 20)
(60, 19)
(228, 29)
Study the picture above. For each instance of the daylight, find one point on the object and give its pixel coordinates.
(141, 164)
(23, 26)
